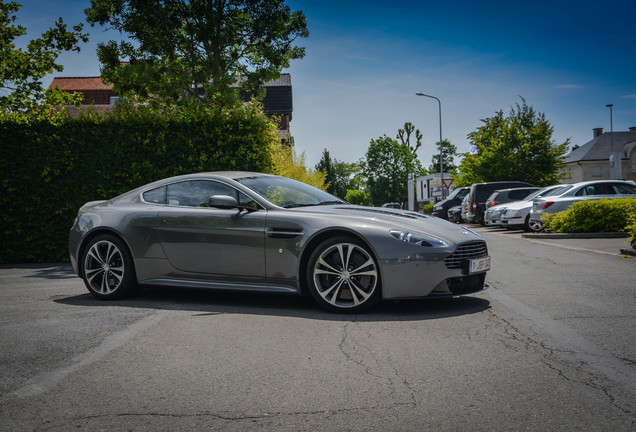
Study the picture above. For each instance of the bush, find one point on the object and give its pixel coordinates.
(428, 209)
(357, 197)
(595, 216)
(51, 163)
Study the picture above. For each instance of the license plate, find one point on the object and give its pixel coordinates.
(478, 265)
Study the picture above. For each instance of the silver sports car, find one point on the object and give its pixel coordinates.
(257, 232)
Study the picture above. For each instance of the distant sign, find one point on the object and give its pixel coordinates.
(448, 183)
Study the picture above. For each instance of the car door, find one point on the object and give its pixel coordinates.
(199, 239)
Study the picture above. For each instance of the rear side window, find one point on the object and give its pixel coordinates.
(518, 194)
(156, 196)
(624, 189)
(595, 189)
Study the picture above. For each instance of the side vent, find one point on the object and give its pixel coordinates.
(284, 233)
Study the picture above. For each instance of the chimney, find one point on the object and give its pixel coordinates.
(597, 132)
(632, 129)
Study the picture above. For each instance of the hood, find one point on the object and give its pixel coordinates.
(400, 219)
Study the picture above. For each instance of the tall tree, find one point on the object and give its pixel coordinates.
(448, 151)
(404, 135)
(340, 177)
(196, 47)
(388, 163)
(516, 147)
(326, 166)
(21, 71)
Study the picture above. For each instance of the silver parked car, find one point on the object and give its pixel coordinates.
(590, 190)
(517, 213)
(257, 232)
(492, 217)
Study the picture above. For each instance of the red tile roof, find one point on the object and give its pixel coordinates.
(80, 83)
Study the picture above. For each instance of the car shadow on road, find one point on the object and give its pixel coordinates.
(207, 303)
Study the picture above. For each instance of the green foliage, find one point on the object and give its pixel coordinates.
(326, 167)
(428, 209)
(387, 166)
(632, 230)
(196, 48)
(51, 163)
(594, 216)
(449, 151)
(340, 177)
(287, 163)
(516, 147)
(358, 197)
(22, 71)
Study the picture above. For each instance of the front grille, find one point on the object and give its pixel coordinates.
(464, 251)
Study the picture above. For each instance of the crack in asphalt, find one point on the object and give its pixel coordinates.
(550, 356)
(220, 416)
(392, 382)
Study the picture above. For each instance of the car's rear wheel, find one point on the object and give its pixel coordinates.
(107, 268)
(343, 276)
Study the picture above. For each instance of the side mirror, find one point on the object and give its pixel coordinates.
(223, 202)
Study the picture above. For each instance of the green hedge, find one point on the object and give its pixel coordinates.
(428, 209)
(51, 164)
(603, 215)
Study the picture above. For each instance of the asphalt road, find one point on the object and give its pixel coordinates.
(549, 346)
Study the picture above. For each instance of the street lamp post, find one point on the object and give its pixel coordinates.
(441, 147)
(615, 171)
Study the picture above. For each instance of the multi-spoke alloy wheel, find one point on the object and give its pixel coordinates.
(535, 226)
(344, 276)
(108, 268)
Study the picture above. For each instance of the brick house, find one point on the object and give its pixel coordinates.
(101, 97)
(591, 160)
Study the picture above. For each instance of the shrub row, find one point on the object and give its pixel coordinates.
(596, 216)
(51, 164)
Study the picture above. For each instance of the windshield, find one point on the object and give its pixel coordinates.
(288, 193)
(458, 193)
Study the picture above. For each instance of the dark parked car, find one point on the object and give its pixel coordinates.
(503, 196)
(440, 209)
(456, 214)
(479, 193)
(256, 232)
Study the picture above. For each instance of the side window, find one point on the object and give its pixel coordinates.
(246, 201)
(587, 190)
(156, 196)
(625, 189)
(195, 193)
(518, 194)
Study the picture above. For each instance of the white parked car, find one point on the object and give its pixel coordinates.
(517, 213)
(590, 190)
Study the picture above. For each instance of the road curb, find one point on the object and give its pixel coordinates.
(613, 234)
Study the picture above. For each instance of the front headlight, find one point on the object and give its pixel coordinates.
(418, 238)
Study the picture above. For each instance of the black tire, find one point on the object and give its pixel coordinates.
(526, 224)
(107, 268)
(343, 276)
(535, 226)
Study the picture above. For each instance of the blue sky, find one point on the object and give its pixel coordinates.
(365, 60)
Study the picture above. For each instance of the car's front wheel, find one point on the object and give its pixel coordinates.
(343, 276)
(535, 225)
(107, 268)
